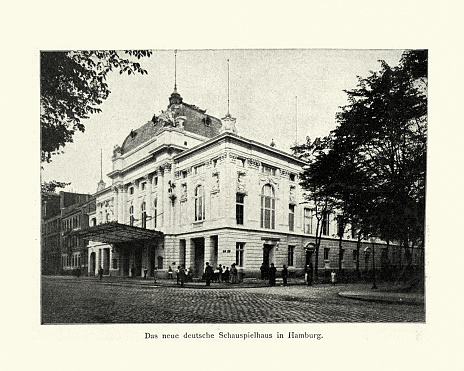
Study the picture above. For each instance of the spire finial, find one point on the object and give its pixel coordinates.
(175, 71)
(101, 164)
(296, 120)
(228, 88)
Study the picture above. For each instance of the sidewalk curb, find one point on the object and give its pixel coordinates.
(390, 298)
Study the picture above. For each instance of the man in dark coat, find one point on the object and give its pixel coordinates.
(181, 275)
(209, 272)
(310, 274)
(272, 275)
(284, 274)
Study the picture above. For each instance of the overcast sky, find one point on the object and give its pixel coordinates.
(263, 87)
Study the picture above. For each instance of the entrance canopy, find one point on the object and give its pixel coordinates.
(114, 232)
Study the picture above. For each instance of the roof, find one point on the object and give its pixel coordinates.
(196, 121)
(114, 232)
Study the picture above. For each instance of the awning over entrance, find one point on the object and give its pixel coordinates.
(114, 232)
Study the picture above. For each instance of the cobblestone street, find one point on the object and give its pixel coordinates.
(88, 300)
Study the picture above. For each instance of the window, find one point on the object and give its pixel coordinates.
(268, 170)
(354, 231)
(292, 177)
(155, 181)
(325, 223)
(291, 218)
(94, 222)
(184, 174)
(355, 255)
(131, 215)
(115, 264)
(239, 208)
(200, 169)
(268, 207)
(144, 214)
(144, 184)
(239, 250)
(326, 253)
(340, 226)
(155, 211)
(308, 220)
(108, 218)
(131, 190)
(199, 203)
(291, 252)
(342, 254)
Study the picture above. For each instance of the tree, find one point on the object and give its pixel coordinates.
(72, 86)
(386, 124)
(374, 165)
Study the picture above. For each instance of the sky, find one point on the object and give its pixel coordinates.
(279, 95)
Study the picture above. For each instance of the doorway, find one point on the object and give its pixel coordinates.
(93, 264)
(199, 256)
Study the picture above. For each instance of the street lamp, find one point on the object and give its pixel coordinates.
(374, 286)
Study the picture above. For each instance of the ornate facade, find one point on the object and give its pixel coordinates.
(186, 190)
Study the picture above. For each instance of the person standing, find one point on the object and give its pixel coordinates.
(226, 274)
(133, 271)
(209, 272)
(178, 275)
(285, 274)
(310, 274)
(170, 273)
(181, 276)
(272, 275)
(100, 272)
(145, 272)
(333, 278)
(220, 273)
(233, 274)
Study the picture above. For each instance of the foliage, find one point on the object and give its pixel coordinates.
(374, 165)
(52, 186)
(72, 86)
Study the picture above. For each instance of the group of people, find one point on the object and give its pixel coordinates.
(221, 274)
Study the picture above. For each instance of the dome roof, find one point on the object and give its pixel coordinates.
(195, 121)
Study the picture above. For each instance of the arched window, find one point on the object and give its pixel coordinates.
(155, 211)
(199, 203)
(268, 207)
(143, 208)
(131, 215)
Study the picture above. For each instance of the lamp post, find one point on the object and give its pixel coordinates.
(374, 286)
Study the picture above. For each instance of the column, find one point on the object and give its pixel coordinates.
(149, 202)
(209, 251)
(137, 210)
(189, 253)
(115, 203)
(160, 196)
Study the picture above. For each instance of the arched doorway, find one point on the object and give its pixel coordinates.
(92, 265)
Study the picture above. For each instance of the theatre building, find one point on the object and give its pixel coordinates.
(186, 189)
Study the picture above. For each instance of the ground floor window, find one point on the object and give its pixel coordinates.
(291, 251)
(326, 253)
(239, 251)
(115, 264)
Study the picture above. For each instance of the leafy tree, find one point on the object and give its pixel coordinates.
(72, 86)
(386, 124)
(374, 165)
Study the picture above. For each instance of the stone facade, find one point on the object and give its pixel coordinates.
(219, 198)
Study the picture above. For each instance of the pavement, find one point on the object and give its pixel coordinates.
(125, 300)
(362, 291)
